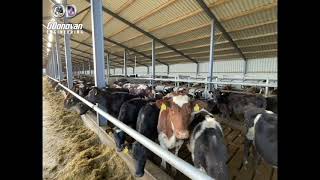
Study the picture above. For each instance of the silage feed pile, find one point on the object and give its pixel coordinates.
(81, 155)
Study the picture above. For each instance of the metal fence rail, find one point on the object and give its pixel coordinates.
(170, 158)
(213, 82)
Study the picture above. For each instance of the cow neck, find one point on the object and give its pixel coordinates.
(164, 123)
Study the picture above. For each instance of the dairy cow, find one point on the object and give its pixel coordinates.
(207, 147)
(128, 115)
(147, 121)
(262, 132)
(174, 119)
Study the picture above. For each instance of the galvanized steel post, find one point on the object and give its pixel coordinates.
(197, 69)
(267, 88)
(153, 44)
(49, 64)
(135, 64)
(58, 58)
(108, 66)
(98, 48)
(83, 68)
(212, 42)
(54, 60)
(125, 62)
(67, 51)
(89, 68)
(244, 68)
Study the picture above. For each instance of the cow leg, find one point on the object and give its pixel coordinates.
(247, 144)
(119, 138)
(177, 148)
(257, 160)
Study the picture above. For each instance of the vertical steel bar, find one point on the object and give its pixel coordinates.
(98, 49)
(59, 66)
(211, 60)
(125, 62)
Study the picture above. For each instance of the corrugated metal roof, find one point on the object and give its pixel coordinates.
(183, 25)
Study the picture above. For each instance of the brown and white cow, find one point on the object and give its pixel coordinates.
(174, 118)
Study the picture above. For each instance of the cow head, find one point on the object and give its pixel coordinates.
(150, 92)
(215, 94)
(70, 100)
(95, 95)
(175, 113)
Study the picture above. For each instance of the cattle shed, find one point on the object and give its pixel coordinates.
(209, 42)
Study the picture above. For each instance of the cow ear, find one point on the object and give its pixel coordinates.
(198, 105)
(159, 103)
(165, 101)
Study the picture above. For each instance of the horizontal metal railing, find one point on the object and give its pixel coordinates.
(213, 82)
(170, 158)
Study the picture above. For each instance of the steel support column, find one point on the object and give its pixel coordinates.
(168, 69)
(135, 64)
(244, 68)
(49, 64)
(153, 44)
(125, 63)
(211, 60)
(51, 67)
(197, 69)
(98, 49)
(67, 52)
(54, 60)
(108, 65)
(83, 68)
(89, 66)
(58, 56)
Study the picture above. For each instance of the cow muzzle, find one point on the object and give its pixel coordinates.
(182, 134)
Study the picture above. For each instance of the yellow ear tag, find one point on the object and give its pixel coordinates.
(196, 108)
(126, 150)
(163, 107)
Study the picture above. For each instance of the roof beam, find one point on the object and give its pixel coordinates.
(125, 47)
(149, 14)
(86, 53)
(206, 46)
(219, 25)
(242, 14)
(106, 51)
(208, 36)
(80, 12)
(145, 33)
(123, 7)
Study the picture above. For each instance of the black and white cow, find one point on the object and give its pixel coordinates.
(234, 103)
(262, 132)
(272, 103)
(110, 102)
(128, 115)
(146, 125)
(207, 147)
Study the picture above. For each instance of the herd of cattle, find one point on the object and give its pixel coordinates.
(172, 116)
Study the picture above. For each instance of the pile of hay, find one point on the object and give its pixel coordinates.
(82, 156)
